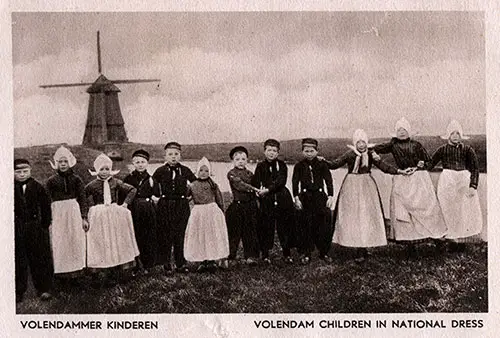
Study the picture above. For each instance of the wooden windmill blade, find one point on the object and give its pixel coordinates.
(135, 81)
(67, 85)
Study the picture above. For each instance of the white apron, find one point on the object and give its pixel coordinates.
(462, 214)
(67, 236)
(111, 238)
(359, 221)
(415, 210)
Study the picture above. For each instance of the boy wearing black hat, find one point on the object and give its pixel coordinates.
(276, 204)
(241, 216)
(308, 181)
(32, 218)
(173, 207)
(143, 209)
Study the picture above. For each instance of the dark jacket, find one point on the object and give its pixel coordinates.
(32, 205)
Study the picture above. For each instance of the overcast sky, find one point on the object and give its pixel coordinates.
(229, 77)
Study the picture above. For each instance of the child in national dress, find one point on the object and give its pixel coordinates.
(457, 185)
(415, 210)
(206, 237)
(359, 220)
(144, 210)
(110, 239)
(69, 216)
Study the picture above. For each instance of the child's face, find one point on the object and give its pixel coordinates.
(22, 174)
(63, 164)
(271, 153)
(140, 163)
(172, 156)
(240, 160)
(402, 134)
(455, 137)
(309, 152)
(104, 172)
(203, 173)
(361, 146)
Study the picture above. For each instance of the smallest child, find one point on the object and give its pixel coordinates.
(241, 216)
(206, 233)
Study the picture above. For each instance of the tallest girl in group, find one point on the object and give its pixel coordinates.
(415, 211)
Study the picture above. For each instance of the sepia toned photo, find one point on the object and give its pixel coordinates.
(250, 162)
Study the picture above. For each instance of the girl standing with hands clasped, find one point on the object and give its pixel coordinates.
(359, 220)
(111, 239)
(206, 237)
(69, 215)
(457, 185)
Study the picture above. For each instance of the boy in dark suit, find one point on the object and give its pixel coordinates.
(173, 207)
(276, 204)
(32, 218)
(309, 178)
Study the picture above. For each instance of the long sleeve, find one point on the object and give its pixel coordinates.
(218, 197)
(436, 158)
(80, 197)
(258, 176)
(473, 166)
(296, 179)
(238, 184)
(45, 208)
(422, 153)
(383, 148)
(89, 196)
(386, 168)
(338, 162)
(328, 179)
(190, 176)
(129, 190)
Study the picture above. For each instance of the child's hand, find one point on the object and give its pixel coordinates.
(329, 203)
(321, 158)
(263, 192)
(376, 157)
(85, 225)
(298, 203)
(471, 192)
(420, 164)
(155, 199)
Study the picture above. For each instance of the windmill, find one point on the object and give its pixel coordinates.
(104, 119)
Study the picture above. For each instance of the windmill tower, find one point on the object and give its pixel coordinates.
(105, 123)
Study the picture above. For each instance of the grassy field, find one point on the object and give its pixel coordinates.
(386, 282)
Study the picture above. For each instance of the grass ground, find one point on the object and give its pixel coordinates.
(387, 282)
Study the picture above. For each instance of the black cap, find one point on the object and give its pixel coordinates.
(141, 153)
(309, 142)
(21, 163)
(272, 143)
(238, 149)
(173, 145)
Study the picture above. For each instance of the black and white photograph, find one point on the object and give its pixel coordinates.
(246, 163)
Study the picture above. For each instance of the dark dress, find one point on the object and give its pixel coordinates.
(32, 218)
(144, 215)
(173, 212)
(276, 207)
(315, 227)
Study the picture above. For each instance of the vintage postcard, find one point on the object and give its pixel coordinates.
(241, 170)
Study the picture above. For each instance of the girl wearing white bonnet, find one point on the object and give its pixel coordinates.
(206, 238)
(69, 215)
(111, 238)
(359, 221)
(415, 211)
(457, 185)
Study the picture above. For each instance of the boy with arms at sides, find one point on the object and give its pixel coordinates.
(310, 175)
(173, 207)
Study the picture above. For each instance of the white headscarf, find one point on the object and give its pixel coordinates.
(100, 162)
(453, 126)
(204, 162)
(362, 158)
(63, 152)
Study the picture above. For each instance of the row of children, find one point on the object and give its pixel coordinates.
(110, 225)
